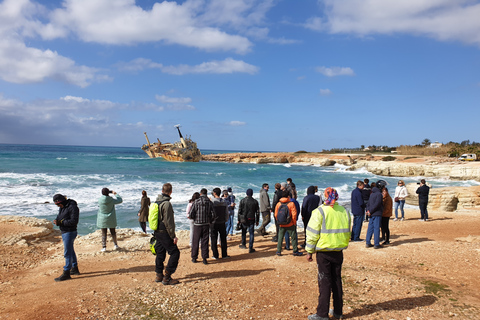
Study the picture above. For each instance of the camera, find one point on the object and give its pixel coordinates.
(110, 191)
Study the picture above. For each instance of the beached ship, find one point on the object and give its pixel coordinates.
(183, 150)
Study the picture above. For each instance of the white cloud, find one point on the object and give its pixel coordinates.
(335, 71)
(237, 123)
(325, 92)
(439, 19)
(122, 22)
(175, 103)
(228, 65)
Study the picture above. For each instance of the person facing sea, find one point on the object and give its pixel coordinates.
(143, 212)
(107, 217)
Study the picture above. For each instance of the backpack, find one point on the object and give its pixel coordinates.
(153, 242)
(153, 216)
(283, 214)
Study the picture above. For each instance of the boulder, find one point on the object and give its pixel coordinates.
(447, 199)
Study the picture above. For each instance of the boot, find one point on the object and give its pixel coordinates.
(74, 271)
(167, 279)
(159, 277)
(65, 276)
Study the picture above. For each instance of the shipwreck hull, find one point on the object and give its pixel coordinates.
(183, 151)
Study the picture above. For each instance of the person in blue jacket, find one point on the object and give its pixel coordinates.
(375, 211)
(67, 220)
(358, 211)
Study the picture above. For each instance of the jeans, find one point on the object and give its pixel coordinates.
(357, 227)
(229, 224)
(330, 282)
(251, 229)
(68, 250)
(423, 209)
(374, 229)
(292, 230)
(163, 246)
(400, 204)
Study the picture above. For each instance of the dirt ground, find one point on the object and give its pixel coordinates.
(430, 270)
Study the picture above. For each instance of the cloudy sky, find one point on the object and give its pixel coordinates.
(273, 75)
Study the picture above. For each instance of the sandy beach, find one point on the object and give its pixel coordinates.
(431, 270)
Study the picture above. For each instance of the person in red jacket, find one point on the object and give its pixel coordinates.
(291, 226)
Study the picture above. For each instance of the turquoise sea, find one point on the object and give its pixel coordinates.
(31, 174)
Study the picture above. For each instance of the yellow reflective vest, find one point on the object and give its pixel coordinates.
(328, 229)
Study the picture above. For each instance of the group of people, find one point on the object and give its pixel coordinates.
(327, 227)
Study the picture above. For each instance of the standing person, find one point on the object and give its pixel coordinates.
(358, 211)
(166, 238)
(265, 209)
(107, 217)
(248, 216)
(328, 234)
(203, 215)
(276, 197)
(230, 198)
(292, 188)
(387, 213)
(400, 194)
(375, 211)
(285, 207)
(195, 196)
(423, 190)
(310, 203)
(218, 226)
(67, 220)
(143, 212)
(366, 192)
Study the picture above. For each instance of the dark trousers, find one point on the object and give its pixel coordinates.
(219, 228)
(357, 227)
(330, 282)
(165, 244)
(143, 225)
(266, 221)
(292, 231)
(385, 229)
(104, 236)
(200, 233)
(423, 209)
(305, 224)
(250, 227)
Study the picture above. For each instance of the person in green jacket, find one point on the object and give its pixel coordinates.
(328, 234)
(107, 217)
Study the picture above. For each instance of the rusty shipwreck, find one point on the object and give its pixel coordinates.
(183, 150)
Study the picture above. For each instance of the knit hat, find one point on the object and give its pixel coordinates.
(249, 192)
(58, 198)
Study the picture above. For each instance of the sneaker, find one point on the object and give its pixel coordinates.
(116, 247)
(278, 253)
(159, 277)
(401, 219)
(251, 250)
(214, 258)
(426, 219)
(421, 220)
(333, 314)
(242, 246)
(316, 317)
(297, 254)
(103, 250)
(395, 219)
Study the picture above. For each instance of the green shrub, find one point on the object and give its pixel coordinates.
(389, 158)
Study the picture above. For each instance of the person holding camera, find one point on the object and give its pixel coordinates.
(107, 217)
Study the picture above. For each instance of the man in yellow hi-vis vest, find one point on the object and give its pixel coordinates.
(328, 233)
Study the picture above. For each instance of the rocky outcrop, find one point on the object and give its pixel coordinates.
(29, 229)
(447, 199)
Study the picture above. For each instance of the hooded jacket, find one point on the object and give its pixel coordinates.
(166, 218)
(310, 203)
(107, 217)
(293, 211)
(67, 217)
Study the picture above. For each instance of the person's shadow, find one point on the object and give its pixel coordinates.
(398, 304)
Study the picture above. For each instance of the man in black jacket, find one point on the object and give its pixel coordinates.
(423, 192)
(375, 211)
(310, 203)
(248, 216)
(218, 226)
(67, 220)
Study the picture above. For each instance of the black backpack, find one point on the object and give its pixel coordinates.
(283, 214)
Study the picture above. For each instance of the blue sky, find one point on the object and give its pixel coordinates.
(240, 74)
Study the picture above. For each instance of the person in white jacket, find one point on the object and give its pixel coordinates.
(400, 194)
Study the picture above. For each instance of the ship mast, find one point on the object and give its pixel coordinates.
(147, 139)
(184, 144)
